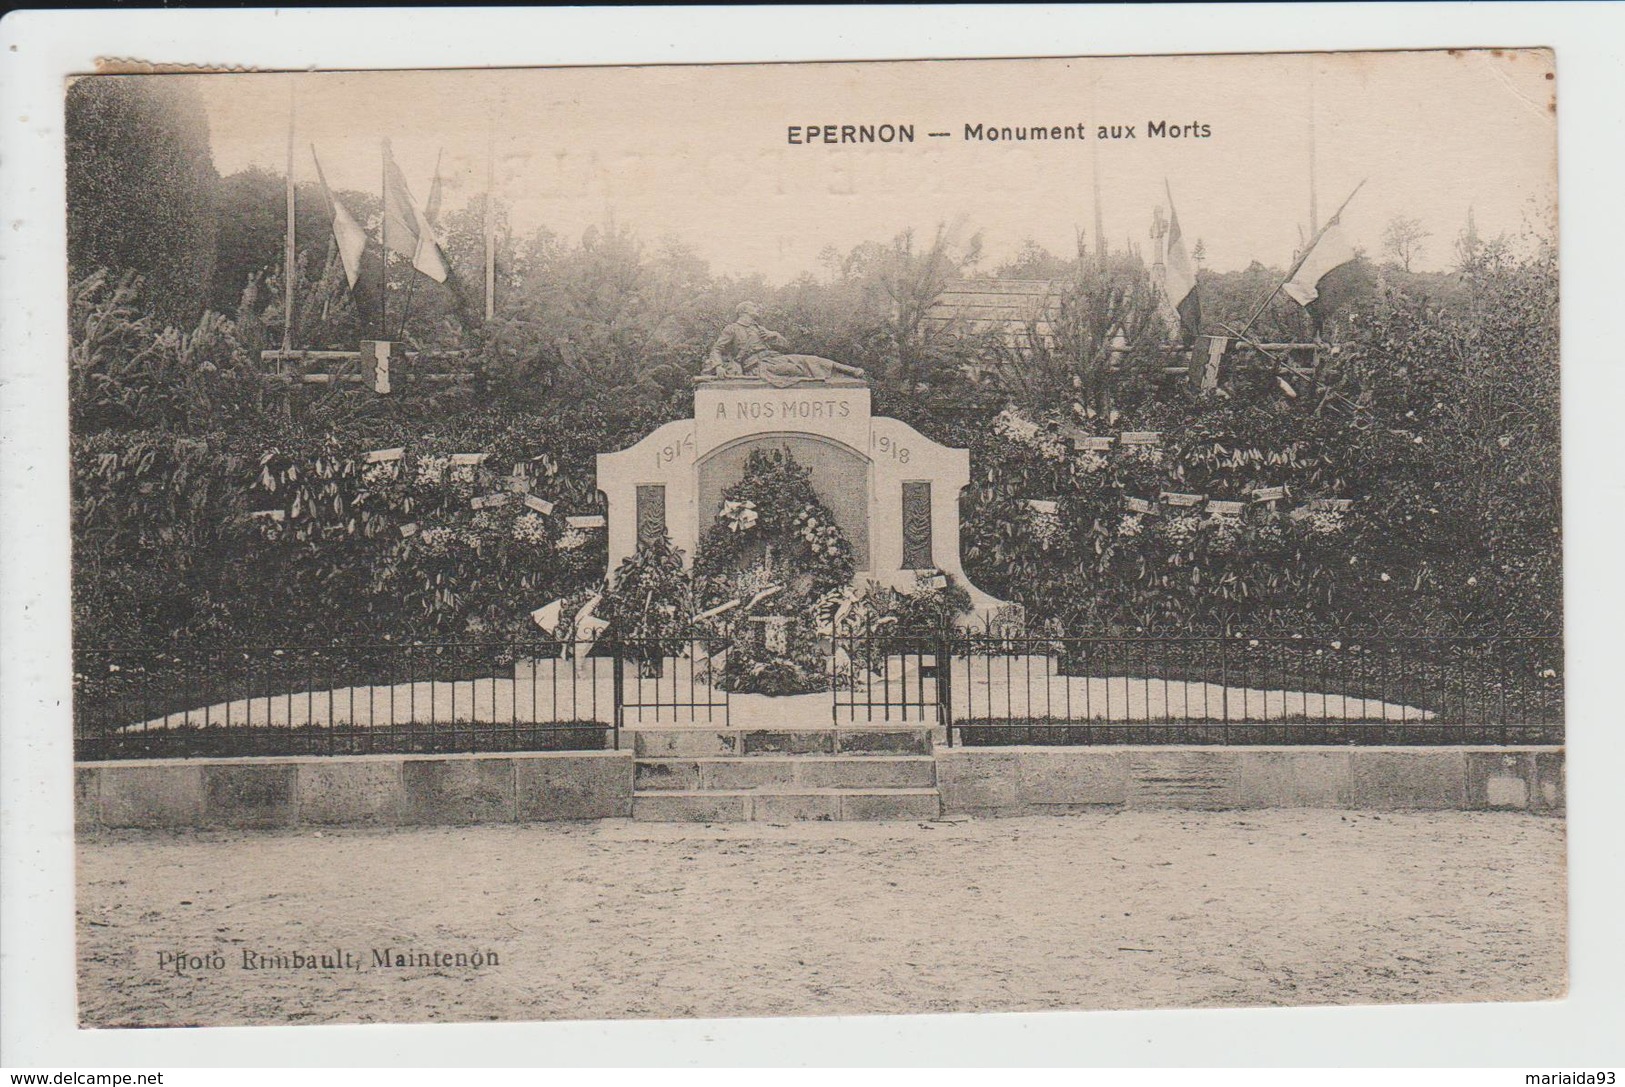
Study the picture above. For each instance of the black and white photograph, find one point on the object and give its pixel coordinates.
(684, 541)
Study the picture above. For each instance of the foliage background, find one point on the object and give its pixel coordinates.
(1438, 417)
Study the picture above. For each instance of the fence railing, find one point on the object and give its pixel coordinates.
(673, 680)
(1257, 690)
(344, 699)
(979, 688)
(892, 678)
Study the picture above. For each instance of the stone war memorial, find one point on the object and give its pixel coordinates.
(893, 491)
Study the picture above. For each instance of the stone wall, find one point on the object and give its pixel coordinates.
(419, 790)
(366, 790)
(1005, 781)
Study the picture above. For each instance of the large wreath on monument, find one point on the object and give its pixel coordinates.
(774, 547)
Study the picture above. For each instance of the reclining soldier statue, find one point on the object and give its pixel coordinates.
(746, 349)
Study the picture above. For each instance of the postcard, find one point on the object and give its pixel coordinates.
(787, 539)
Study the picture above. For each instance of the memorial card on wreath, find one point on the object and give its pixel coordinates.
(786, 539)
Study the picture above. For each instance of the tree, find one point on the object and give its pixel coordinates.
(913, 278)
(142, 188)
(1469, 246)
(1097, 334)
(1199, 254)
(253, 219)
(1034, 262)
(1404, 240)
(464, 232)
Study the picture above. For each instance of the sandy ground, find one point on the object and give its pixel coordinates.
(1006, 687)
(619, 919)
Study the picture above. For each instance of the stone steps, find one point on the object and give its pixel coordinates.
(788, 772)
(712, 742)
(784, 805)
(738, 774)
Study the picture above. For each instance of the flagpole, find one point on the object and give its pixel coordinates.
(1094, 172)
(406, 311)
(1313, 217)
(288, 254)
(1310, 248)
(490, 225)
(412, 281)
(383, 241)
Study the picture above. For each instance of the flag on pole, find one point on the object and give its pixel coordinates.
(406, 228)
(1332, 250)
(351, 239)
(1179, 279)
(431, 206)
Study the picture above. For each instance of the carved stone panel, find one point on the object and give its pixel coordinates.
(651, 513)
(917, 525)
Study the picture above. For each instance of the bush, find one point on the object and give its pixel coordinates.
(1439, 421)
(650, 602)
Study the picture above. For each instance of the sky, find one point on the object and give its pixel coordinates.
(701, 153)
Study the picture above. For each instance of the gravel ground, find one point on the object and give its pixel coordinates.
(619, 919)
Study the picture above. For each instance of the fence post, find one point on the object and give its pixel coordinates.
(945, 685)
(1224, 683)
(618, 685)
(834, 676)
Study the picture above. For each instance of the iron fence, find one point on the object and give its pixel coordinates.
(1257, 690)
(981, 689)
(885, 679)
(344, 699)
(674, 680)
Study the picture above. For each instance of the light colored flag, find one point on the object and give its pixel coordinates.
(548, 615)
(406, 228)
(1179, 279)
(431, 206)
(351, 239)
(1332, 250)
